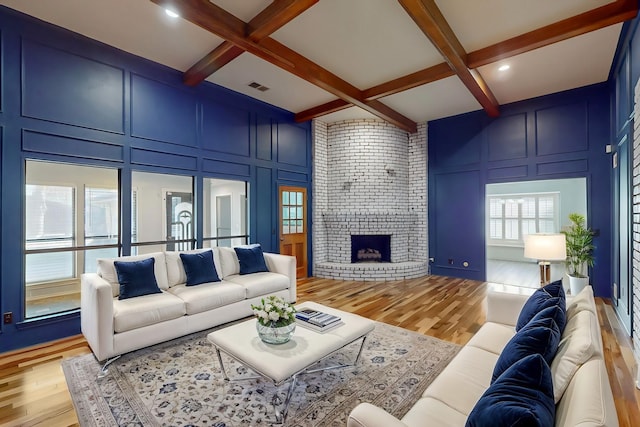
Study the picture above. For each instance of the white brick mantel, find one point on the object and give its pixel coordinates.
(369, 178)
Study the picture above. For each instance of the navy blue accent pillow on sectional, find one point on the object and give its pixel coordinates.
(540, 336)
(136, 278)
(251, 259)
(199, 267)
(521, 397)
(547, 296)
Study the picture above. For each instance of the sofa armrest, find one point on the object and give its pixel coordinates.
(504, 307)
(368, 415)
(283, 264)
(96, 314)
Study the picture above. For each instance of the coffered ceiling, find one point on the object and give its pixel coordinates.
(405, 61)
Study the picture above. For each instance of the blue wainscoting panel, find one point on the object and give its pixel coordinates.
(292, 144)
(508, 138)
(37, 142)
(572, 166)
(225, 129)
(285, 175)
(62, 87)
(458, 236)
(562, 129)
(156, 158)
(265, 221)
(162, 113)
(512, 172)
(464, 142)
(264, 141)
(226, 168)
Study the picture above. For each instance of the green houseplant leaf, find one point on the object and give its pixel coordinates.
(579, 246)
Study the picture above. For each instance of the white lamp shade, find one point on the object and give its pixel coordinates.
(545, 247)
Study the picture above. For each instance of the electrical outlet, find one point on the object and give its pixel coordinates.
(8, 317)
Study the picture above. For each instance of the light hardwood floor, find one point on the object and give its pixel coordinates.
(33, 391)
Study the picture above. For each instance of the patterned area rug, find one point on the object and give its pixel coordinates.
(178, 383)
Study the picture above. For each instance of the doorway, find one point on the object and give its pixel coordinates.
(293, 226)
(516, 209)
(178, 216)
(223, 219)
(622, 253)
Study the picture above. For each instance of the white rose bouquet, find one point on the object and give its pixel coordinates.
(274, 311)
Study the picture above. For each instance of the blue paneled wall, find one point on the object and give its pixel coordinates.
(68, 98)
(556, 136)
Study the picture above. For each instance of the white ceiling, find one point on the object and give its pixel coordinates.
(365, 42)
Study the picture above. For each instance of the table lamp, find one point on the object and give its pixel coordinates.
(545, 248)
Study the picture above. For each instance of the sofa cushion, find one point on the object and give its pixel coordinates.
(433, 412)
(208, 296)
(199, 268)
(547, 296)
(107, 270)
(577, 345)
(251, 259)
(229, 264)
(175, 268)
(146, 310)
(492, 337)
(258, 284)
(582, 301)
(588, 400)
(464, 379)
(521, 396)
(136, 278)
(540, 336)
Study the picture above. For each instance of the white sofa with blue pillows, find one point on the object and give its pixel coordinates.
(522, 368)
(136, 301)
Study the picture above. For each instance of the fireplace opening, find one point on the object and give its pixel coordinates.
(371, 248)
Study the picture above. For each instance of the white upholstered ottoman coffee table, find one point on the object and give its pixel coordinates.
(284, 362)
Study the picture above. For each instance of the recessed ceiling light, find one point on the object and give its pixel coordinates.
(504, 67)
(171, 13)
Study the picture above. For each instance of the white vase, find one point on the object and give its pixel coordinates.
(576, 284)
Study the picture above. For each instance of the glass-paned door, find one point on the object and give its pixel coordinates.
(293, 226)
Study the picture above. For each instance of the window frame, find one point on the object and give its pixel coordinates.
(510, 198)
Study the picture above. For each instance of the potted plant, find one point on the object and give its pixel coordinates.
(579, 252)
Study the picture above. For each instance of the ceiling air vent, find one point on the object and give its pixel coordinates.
(258, 86)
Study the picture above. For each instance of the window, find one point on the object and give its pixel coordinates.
(71, 219)
(162, 212)
(225, 212)
(292, 212)
(511, 217)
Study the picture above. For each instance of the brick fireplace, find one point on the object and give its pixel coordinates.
(370, 179)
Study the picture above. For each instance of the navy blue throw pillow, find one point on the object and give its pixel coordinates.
(136, 278)
(521, 397)
(199, 267)
(541, 336)
(555, 289)
(251, 259)
(555, 312)
(548, 296)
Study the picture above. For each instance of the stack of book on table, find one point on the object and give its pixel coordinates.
(317, 320)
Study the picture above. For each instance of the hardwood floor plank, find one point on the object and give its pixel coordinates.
(33, 391)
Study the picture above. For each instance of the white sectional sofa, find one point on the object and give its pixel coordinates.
(577, 365)
(114, 326)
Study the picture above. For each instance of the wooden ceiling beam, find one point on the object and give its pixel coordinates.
(430, 20)
(400, 84)
(610, 14)
(273, 17)
(601, 17)
(220, 22)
